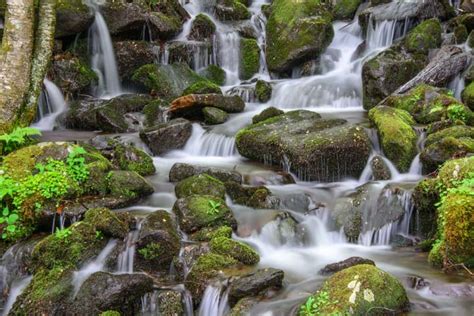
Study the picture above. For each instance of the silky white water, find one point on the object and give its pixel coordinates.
(50, 106)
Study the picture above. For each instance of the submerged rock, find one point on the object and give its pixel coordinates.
(341, 265)
(181, 171)
(165, 137)
(315, 148)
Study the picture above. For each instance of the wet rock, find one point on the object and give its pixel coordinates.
(243, 306)
(104, 291)
(199, 211)
(361, 289)
(247, 30)
(231, 10)
(460, 34)
(298, 202)
(167, 136)
(192, 105)
(72, 17)
(235, 249)
(214, 116)
(268, 177)
(266, 114)
(250, 54)
(202, 87)
(181, 171)
(201, 184)
(155, 112)
(254, 284)
(424, 37)
(318, 149)
(341, 265)
(425, 197)
(380, 169)
(158, 243)
(214, 74)
(202, 28)
(131, 55)
(107, 222)
(263, 91)
(257, 197)
(189, 52)
(294, 36)
(128, 184)
(170, 303)
(345, 9)
(207, 234)
(397, 137)
(468, 95)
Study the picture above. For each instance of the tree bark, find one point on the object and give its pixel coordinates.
(15, 59)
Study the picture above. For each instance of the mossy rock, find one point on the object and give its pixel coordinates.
(256, 197)
(457, 131)
(266, 114)
(110, 313)
(154, 112)
(250, 53)
(213, 116)
(107, 222)
(200, 211)
(235, 249)
(449, 147)
(202, 28)
(468, 96)
(231, 10)
(201, 184)
(214, 74)
(296, 32)
(345, 9)
(128, 184)
(206, 234)
(425, 36)
(425, 197)
(73, 17)
(170, 303)
(263, 91)
(460, 34)
(360, 290)
(397, 137)
(202, 87)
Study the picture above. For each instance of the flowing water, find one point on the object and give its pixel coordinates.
(51, 105)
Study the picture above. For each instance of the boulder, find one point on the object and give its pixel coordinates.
(168, 136)
(380, 170)
(318, 149)
(296, 33)
(235, 249)
(201, 184)
(202, 87)
(131, 55)
(181, 171)
(231, 10)
(345, 9)
(192, 105)
(128, 184)
(202, 28)
(214, 74)
(199, 211)
(72, 17)
(341, 265)
(468, 95)
(214, 116)
(263, 91)
(397, 137)
(266, 114)
(250, 54)
(107, 222)
(424, 37)
(256, 197)
(359, 290)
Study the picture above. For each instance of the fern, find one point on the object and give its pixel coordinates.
(21, 136)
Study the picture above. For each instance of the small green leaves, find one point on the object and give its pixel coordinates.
(214, 207)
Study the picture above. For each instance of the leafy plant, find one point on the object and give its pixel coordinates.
(214, 207)
(19, 137)
(315, 304)
(9, 219)
(62, 233)
(457, 112)
(76, 164)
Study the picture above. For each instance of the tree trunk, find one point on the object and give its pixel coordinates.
(43, 50)
(15, 59)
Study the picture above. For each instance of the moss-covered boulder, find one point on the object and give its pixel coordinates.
(460, 34)
(131, 55)
(345, 9)
(213, 116)
(202, 87)
(256, 197)
(190, 106)
(202, 184)
(170, 303)
(199, 211)
(263, 91)
(425, 197)
(235, 249)
(107, 222)
(128, 184)
(266, 114)
(318, 149)
(158, 243)
(468, 96)
(168, 136)
(397, 137)
(359, 290)
(231, 10)
(181, 171)
(214, 74)
(250, 54)
(72, 17)
(426, 36)
(296, 32)
(202, 28)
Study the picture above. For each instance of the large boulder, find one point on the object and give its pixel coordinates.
(316, 148)
(191, 105)
(359, 290)
(181, 171)
(128, 184)
(235, 249)
(341, 265)
(397, 137)
(231, 10)
(72, 17)
(345, 9)
(250, 54)
(131, 55)
(168, 136)
(296, 32)
(201, 184)
(202, 28)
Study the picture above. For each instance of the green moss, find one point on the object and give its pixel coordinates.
(398, 139)
(110, 313)
(153, 112)
(202, 87)
(263, 91)
(213, 116)
(202, 184)
(206, 234)
(128, 184)
(107, 222)
(460, 34)
(214, 74)
(130, 158)
(454, 131)
(250, 52)
(235, 11)
(266, 114)
(359, 290)
(346, 9)
(425, 197)
(235, 249)
(468, 96)
(151, 251)
(425, 36)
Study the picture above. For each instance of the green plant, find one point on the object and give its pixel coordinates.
(315, 305)
(99, 235)
(9, 219)
(76, 164)
(19, 137)
(457, 112)
(214, 207)
(62, 233)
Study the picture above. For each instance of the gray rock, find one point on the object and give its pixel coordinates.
(181, 171)
(341, 265)
(167, 136)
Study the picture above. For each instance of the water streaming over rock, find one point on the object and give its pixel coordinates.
(214, 301)
(50, 106)
(126, 258)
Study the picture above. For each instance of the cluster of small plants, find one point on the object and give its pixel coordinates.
(20, 137)
(315, 305)
(213, 207)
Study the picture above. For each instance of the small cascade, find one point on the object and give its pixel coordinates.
(229, 55)
(203, 143)
(94, 266)
(50, 106)
(416, 167)
(214, 301)
(457, 85)
(16, 290)
(149, 304)
(102, 56)
(259, 22)
(246, 92)
(126, 258)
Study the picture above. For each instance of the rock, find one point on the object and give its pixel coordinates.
(250, 54)
(131, 55)
(104, 291)
(234, 249)
(254, 284)
(107, 222)
(189, 52)
(192, 105)
(202, 28)
(425, 197)
(297, 34)
(257, 197)
(245, 305)
(359, 290)
(380, 169)
(214, 116)
(468, 95)
(181, 171)
(263, 91)
(128, 184)
(71, 74)
(470, 40)
(207, 234)
(214, 74)
(128, 19)
(155, 112)
(341, 265)
(231, 10)
(114, 115)
(202, 87)
(397, 137)
(158, 243)
(167, 136)
(460, 34)
(201, 184)
(268, 177)
(199, 211)
(320, 149)
(247, 30)
(266, 114)
(72, 17)
(345, 9)
(424, 37)
(460, 131)
(166, 81)
(170, 303)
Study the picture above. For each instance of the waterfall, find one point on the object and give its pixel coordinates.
(214, 302)
(16, 290)
(127, 256)
(229, 55)
(50, 106)
(103, 57)
(203, 143)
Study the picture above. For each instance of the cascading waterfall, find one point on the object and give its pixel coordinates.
(214, 301)
(51, 105)
(17, 288)
(203, 143)
(127, 256)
